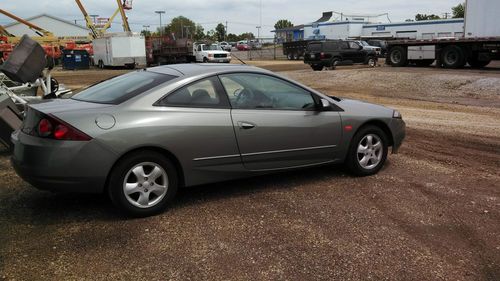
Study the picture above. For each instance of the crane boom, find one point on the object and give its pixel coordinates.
(4, 32)
(88, 21)
(126, 26)
(38, 30)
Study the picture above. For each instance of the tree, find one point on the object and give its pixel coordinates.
(458, 11)
(283, 24)
(220, 32)
(246, 35)
(181, 27)
(419, 17)
(231, 37)
(145, 33)
(199, 33)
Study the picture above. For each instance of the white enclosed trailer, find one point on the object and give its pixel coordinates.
(479, 45)
(119, 49)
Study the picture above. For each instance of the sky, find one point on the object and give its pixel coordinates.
(242, 15)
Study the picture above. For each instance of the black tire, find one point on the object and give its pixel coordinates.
(371, 62)
(398, 56)
(352, 161)
(424, 63)
(205, 60)
(333, 63)
(118, 176)
(317, 67)
(475, 63)
(100, 64)
(453, 57)
(296, 56)
(289, 56)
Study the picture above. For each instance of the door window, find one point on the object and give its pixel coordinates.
(257, 91)
(353, 45)
(203, 93)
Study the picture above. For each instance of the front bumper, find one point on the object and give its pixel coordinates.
(63, 166)
(398, 129)
(220, 60)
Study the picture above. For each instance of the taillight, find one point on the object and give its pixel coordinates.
(44, 128)
(52, 127)
(322, 55)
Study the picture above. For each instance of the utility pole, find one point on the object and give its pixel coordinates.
(93, 17)
(446, 15)
(260, 22)
(160, 13)
(225, 33)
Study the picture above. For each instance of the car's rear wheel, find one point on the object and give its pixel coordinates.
(368, 151)
(372, 62)
(143, 183)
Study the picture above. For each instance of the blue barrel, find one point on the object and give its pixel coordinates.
(75, 59)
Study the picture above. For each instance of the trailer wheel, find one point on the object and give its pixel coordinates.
(453, 57)
(398, 56)
(289, 56)
(296, 56)
(475, 63)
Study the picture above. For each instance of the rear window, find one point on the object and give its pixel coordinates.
(122, 88)
(314, 47)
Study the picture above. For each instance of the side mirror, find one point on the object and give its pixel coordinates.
(324, 104)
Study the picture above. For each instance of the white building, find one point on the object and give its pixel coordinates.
(363, 26)
(59, 27)
(428, 29)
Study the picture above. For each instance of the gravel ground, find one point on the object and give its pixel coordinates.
(433, 213)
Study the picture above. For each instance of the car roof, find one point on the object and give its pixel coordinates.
(194, 69)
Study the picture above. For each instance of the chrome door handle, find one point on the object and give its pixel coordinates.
(246, 125)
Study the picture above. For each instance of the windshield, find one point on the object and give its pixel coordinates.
(121, 88)
(213, 47)
(363, 43)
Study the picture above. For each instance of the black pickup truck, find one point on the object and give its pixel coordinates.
(321, 54)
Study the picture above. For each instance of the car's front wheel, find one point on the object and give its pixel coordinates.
(368, 151)
(143, 183)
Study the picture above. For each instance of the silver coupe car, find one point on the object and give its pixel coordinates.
(141, 136)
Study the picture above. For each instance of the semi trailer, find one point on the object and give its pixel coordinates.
(479, 45)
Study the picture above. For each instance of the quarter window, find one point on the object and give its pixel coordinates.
(256, 91)
(203, 93)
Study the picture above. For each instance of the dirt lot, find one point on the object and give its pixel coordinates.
(433, 213)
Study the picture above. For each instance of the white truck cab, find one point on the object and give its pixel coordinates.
(210, 53)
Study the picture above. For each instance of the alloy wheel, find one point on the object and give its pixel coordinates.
(145, 185)
(370, 151)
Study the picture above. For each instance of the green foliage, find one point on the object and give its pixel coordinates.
(220, 32)
(182, 27)
(283, 23)
(419, 17)
(145, 33)
(458, 11)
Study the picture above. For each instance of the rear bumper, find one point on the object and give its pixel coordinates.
(62, 166)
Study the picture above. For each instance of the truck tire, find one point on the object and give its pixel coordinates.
(371, 62)
(475, 63)
(100, 64)
(317, 67)
(398, 56)
(205, 60)
(453, 57)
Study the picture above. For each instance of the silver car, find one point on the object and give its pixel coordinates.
(141, 136)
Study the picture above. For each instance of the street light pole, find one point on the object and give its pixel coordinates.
(160, 12)
(93, 17)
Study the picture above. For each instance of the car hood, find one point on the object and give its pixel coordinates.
(217, 52)
(358, 107)
(64, 105)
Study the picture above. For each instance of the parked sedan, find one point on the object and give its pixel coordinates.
(141, 136)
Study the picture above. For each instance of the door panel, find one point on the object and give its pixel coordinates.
(283, 139)
(277, 125)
